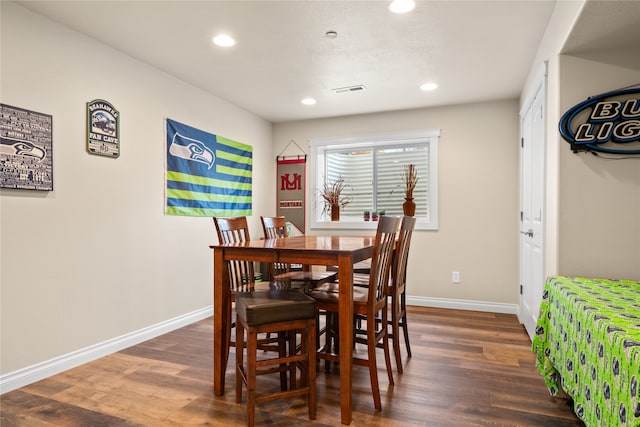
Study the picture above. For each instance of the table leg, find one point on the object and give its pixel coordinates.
(345, 322)
(220, 315)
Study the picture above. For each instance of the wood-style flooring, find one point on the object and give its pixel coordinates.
(468, 369)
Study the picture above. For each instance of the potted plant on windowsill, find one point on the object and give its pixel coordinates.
(410, 178)
(333, 198)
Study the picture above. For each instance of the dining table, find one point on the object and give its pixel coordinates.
(341, 251)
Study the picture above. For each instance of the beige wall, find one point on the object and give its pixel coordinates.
(560, 25)
(478, 191)
(599, 199)
(97, 258)
(592, 204)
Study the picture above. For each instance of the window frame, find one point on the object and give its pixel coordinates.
(403, 138)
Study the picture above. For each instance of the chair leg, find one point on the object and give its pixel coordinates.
(252, 354)
(311, 371)
(395, 330)
(395, 336)
(373, 368)
(387, 355)
(331, 338)
(293, 349)
(282, 352)
(319, 330)
(304, 348)
(229, 315)
(403, 304)
(239, 362)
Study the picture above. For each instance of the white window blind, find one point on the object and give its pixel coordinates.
(373, 168)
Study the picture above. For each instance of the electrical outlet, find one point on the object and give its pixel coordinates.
(455, 277)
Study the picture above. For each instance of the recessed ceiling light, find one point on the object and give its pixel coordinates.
(429, 86)
(331, 34)
(224, 40)
(402, 6)
(308, 101)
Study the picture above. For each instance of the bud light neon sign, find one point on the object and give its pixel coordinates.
(606, 123)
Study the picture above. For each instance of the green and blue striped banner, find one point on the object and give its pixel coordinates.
(207, 175)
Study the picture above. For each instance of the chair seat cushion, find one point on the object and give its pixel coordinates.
(363, 267)
(262, 307)
(308, 276)
(254, 286)
(283, 285)
(360, 279)
(329, 293)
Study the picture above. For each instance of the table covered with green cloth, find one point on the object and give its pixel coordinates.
(587, 345)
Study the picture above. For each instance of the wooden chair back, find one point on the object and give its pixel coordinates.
(236, 230)
(274, 227)
(399, 266)
(397, 289)
(232, 229)
(381, 261)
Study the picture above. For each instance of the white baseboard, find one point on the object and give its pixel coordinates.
(39, 371)
(491, 307)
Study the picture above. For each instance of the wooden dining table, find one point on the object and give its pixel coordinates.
(343, 251)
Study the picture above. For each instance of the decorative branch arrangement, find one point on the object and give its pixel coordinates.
(332, 195)
(410, 178)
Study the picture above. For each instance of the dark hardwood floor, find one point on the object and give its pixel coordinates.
(468, 369)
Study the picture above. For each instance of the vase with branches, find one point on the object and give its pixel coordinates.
(333, 199)
(410, 178)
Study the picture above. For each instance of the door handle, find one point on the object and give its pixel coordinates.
(528, 233)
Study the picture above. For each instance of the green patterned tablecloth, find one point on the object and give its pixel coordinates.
(587, 344)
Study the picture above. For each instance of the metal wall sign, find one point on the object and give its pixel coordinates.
(103, 129)
(606, 123)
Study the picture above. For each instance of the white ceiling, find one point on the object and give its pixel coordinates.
(474, 50)
(608, 31)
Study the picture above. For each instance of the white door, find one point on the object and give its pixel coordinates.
(532, 166)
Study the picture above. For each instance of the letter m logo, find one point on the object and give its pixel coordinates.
(294, 184)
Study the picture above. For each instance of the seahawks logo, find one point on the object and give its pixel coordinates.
(14, 147)
(192, 150)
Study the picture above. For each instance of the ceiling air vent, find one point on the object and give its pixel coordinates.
(356, 88)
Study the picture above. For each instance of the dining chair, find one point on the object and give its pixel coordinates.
(275, 227)
(286, 312)
(242, 279)
(241, 273)
(396, 290)
(370, 303)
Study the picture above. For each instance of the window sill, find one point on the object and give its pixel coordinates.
(352, 224)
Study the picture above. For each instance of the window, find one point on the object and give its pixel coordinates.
(372, 167)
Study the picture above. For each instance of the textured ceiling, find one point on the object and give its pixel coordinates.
(474, 50)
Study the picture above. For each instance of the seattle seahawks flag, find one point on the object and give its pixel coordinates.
(207, 175)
